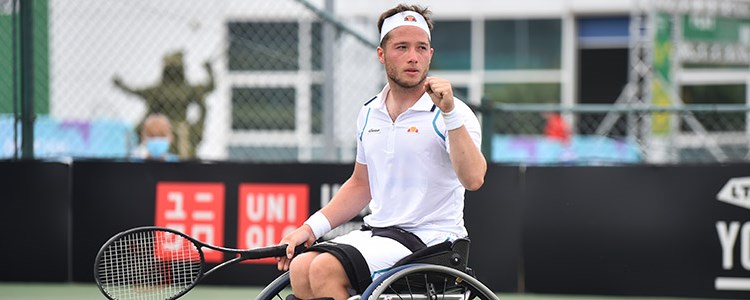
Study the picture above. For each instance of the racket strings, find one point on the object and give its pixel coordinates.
(149, 265)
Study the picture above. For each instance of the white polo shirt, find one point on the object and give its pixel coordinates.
(412, 182)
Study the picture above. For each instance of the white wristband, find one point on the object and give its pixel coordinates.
(452, 120)
(319, 224)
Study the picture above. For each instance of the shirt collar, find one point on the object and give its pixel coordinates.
(423, 104)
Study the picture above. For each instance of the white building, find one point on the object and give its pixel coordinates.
(566, 52)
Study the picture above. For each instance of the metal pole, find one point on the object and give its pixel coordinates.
(330, 151)
(14, 72)
(27, 80)
(488, 115)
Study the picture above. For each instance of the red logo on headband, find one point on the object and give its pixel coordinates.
(410, 18)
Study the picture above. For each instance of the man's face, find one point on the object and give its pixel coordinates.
(157, 127)
(406, 56)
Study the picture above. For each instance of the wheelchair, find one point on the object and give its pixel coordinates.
(434, 273)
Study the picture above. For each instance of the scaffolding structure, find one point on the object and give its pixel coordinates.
(649, 51)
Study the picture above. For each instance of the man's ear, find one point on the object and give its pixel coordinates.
(381, 53)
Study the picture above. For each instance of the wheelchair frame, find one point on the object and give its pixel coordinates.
(438, 272)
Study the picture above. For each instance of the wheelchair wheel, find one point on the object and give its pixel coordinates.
(429, 282)
(275, 288)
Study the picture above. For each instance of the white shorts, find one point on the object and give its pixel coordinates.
(381, 253)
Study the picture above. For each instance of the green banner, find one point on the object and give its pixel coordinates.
(662, 64)
(715, 29)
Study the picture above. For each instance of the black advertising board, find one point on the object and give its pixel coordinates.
(617, 230)
(109, 197)
(35, 217)
(493, 218)
(659, 231)
(210, 201)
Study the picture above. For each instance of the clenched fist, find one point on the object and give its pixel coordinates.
(441, 93)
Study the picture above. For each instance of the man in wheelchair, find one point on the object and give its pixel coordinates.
(418, 150)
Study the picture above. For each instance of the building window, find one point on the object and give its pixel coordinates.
(317, 46)
(716, 94)
(316, 111)
(271, 46)
(263, 46)
(523, 44)
(273, 109)
(452, 43)
(263, 108)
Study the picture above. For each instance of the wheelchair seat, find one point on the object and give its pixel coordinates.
(450, 254)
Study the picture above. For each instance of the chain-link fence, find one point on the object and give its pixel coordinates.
(278, 81)
(239, 80)
(617, 134)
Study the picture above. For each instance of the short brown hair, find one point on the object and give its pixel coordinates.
(425, 12)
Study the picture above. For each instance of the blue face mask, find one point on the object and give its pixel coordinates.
(157, 146)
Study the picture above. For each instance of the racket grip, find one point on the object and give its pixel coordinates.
(299, 249)
(271, 251)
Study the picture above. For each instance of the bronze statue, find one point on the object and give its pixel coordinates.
(172, 97)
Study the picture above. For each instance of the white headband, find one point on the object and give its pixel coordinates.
(404, 18)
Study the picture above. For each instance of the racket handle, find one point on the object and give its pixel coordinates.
(299, 249)
(271, 251)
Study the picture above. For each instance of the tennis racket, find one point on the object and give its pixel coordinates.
(161, 263)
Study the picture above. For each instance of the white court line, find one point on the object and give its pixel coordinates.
(732, 284)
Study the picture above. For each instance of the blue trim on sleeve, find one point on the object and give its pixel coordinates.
(434, 125)
(367, 118)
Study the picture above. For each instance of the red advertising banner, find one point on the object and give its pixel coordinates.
(196, 209)
(172, 247)
(267, 212)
